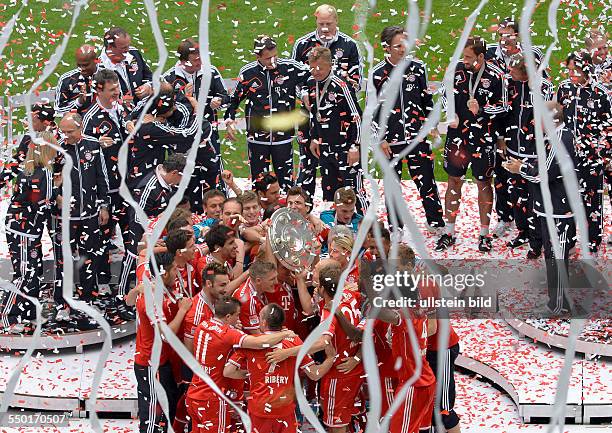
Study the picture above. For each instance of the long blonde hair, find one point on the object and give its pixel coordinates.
(40, 155)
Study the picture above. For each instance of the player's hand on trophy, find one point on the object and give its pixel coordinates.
(300, 275)
(455, 122)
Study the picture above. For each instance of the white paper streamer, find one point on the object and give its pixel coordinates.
(570, 182)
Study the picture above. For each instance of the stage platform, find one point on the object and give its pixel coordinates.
(491, 349)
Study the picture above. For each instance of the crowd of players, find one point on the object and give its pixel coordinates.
(236, 308)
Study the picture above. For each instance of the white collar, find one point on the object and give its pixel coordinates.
(116, 107)
(327, 43)
(160, 178)
(108, 63)
(179, 70)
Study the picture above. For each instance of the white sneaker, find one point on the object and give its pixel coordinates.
(63, 315)
(436, 231)
(104, 289)
(501, 229)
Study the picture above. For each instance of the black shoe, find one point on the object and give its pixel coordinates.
(445, 241)
(534, 254)
(125, 312)
(484, 244)
(517, 241)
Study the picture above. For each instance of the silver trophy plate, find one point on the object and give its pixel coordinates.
(291, 239)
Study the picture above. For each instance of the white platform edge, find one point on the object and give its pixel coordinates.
(559, 341)
(71, 340)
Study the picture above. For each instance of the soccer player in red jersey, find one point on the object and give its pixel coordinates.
(213, 342)
(416, 411)
(252, 294)
(339, 390)
(282, 295)
(271, 404)
(223, 249)
(340, 250)
(149, 412)
(450, 419)
(216, 280)
(181, 244)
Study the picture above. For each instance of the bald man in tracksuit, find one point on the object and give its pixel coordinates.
(88, 206)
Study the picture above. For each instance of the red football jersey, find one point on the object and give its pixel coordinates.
(272, 393)
(432, 290)
(186, 282)
(353, 275)
(381, 336)
(345, 347)
(212, 343)
(202, 309)
(402, 349)
(200, 263)
(145, 333)
(283, 296)
(251, 305)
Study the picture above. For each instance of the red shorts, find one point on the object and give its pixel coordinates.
(338, 396)
(287, 424)
(387, 388)
(208, 416)
(416, 410)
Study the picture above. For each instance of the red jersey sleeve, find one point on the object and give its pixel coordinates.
(238, 359)
(332, 327)
(235, 336)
